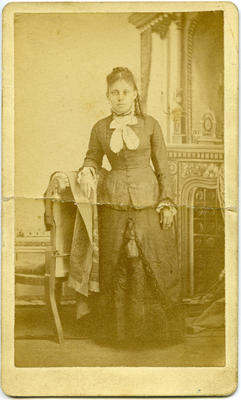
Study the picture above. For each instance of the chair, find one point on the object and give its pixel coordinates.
(59, 217)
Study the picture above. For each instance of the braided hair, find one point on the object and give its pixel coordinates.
(125, 74)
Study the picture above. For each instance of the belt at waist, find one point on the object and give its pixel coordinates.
(127, 168)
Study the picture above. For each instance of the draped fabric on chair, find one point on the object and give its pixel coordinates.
(146, 49)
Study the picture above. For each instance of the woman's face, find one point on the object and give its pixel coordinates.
(121, 96)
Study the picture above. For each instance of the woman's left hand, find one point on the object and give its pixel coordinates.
(167, 217)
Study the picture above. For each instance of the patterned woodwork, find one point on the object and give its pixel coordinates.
(207, 247)
(193, 168)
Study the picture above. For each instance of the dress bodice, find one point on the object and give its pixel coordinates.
(132, 180)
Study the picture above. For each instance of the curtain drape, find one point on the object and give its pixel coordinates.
(146, 48)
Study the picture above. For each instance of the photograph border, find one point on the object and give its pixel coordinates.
(122, 381)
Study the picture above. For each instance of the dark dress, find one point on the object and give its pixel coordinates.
(140, 282)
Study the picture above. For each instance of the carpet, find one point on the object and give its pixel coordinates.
(35, 346)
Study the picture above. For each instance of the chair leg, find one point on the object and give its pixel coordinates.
(58, 292)
(52, 307)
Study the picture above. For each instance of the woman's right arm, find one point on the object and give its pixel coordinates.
(95, 153)
(92, 164)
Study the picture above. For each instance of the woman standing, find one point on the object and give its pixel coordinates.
(140, 286)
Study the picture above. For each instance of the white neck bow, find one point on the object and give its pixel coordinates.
(123, 133)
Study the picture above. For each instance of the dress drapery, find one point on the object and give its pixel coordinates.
(139, 276)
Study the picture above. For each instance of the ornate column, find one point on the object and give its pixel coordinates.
(178, 114)
(192, 21)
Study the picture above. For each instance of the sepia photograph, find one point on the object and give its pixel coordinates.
(120, 217)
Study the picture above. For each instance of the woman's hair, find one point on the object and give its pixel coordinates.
(125, 74)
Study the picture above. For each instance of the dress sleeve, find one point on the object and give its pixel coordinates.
(95, 153)
(160, 163)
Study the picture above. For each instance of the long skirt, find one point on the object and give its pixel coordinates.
(140, 283)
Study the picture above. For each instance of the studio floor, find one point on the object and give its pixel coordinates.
(35, 346)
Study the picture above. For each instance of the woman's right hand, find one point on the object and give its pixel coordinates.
(85, 180)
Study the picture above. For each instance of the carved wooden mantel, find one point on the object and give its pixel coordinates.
(192, 160)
